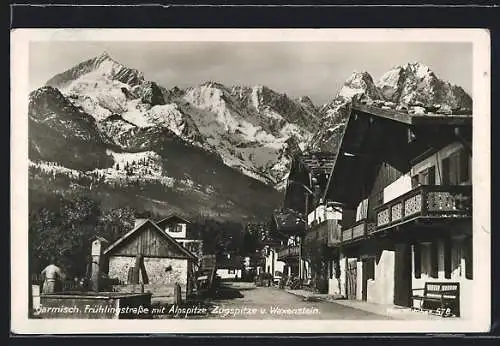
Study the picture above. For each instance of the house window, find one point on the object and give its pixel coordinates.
(425, 177)
(231, 271)
(362, 210)
(177, 228)
(456, 168)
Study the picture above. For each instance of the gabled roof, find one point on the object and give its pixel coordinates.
(140, 226)
(373, 136)
(307, 170)
(173, 216)
(101, 239)
(414, 119)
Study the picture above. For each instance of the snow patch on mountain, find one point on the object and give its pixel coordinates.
(140, 163)
(102, 65)
(248, 133)
(54, 167)
(248, 127)
(415, 84)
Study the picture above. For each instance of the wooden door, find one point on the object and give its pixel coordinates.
(368, 273)
(402, 275)
(351, 279)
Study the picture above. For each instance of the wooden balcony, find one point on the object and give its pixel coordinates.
(327, 232)
(359, 230)
(289, 222)
(431, 202)
(288, 253)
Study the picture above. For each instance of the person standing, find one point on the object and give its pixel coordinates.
(52, 276)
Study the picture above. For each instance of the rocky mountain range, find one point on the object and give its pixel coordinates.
(410, 88)
(212, 149)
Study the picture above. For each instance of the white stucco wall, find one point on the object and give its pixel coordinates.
(381, 289)
(322, 213)
(334, 283)
(359, 280)
(226, 275)
(397, 188)
(342, 284)
(272, 263)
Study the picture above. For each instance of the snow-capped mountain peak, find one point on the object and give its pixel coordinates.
(101, 65)
(419, 69)
(360, 82)
(248, 127)
(412, 86)
(416, 84)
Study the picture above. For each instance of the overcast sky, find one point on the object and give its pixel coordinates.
(315, 69)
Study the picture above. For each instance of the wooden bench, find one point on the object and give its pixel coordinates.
(442, 297)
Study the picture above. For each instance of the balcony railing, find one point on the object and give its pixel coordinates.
(360, 229)
(328, 231)
(287, 252)
(428, 201)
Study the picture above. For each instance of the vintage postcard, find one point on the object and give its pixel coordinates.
(250, 181)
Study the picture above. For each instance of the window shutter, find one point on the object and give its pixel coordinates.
(464, 166)
(422, 177)
(446, 171)
(434, 260)
(417, 259)
(454, 170)
(447, 258)
(431, 175)
(414, 181)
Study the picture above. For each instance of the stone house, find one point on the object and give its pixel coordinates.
(160, 259)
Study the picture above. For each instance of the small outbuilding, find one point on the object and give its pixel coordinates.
(160, 259)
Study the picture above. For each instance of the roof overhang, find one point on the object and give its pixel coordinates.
(120, 241)
(374, 136)
(308, 176)
(173, 217)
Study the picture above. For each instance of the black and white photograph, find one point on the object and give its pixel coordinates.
(250, 180)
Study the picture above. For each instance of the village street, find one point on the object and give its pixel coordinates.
(246, 301)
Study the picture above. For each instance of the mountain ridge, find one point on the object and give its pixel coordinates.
(252, 130)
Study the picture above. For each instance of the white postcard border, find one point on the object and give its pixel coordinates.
(20, 39)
